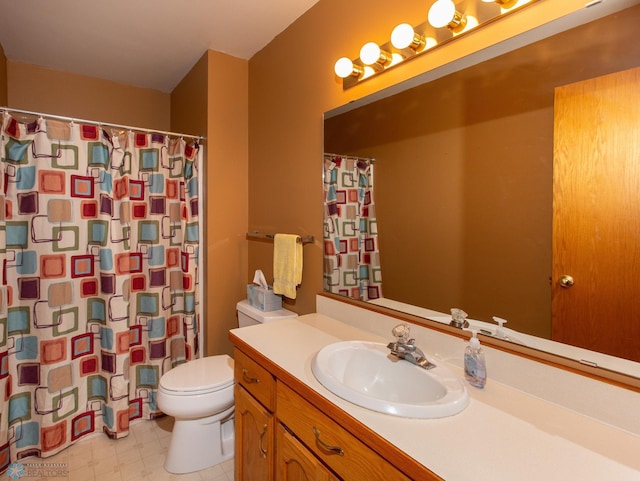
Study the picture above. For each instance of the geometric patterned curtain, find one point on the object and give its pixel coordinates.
(99, 293)
(351, 251)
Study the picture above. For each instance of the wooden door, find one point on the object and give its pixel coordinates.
(254, 442)
(596, 214)
(294, 462)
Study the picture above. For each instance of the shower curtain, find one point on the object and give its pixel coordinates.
(351, 252)
(99, 242)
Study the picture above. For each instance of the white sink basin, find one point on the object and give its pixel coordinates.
(362, 373)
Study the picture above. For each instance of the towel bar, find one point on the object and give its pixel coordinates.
(258, 235)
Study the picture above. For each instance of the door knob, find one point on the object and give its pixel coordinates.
(566, 281)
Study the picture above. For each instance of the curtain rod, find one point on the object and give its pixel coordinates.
(108, 124)
(366, 159)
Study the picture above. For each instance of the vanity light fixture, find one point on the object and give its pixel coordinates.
(404, 36)
(345, 68)
(409, 41)
(443, 13)
(372, 54)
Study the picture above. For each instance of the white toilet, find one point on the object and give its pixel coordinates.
(199, 395)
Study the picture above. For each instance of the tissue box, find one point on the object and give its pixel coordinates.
(263, 299)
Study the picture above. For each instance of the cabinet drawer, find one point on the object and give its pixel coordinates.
(295, 462)
(325, 438)
(255, 379)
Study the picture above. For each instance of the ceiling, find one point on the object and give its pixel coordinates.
(146, 43)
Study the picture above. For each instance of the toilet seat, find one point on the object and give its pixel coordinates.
(201, 376)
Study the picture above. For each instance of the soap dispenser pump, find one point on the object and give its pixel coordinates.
(475, 369)
(500, 329)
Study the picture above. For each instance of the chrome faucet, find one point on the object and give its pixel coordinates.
(404, 348)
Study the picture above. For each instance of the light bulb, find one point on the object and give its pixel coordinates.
(370, 53)
(343, 67)
(402, 36)
(441, 13)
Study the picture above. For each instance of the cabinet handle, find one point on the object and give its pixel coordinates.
(249, 379)
(332, 449)
(263, 451)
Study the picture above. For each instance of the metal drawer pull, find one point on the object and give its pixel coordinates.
(251, 380)
(332, 449)
(262, 450)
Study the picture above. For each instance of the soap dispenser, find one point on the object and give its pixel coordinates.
(475, 369)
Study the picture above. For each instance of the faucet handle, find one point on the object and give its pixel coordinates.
(401, 332)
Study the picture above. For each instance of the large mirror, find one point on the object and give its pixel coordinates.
(468, 192)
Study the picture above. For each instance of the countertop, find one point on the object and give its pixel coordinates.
(504, 434)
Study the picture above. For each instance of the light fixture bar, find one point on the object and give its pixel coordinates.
(445, 22)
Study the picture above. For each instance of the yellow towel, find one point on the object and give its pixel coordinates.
(287, 264)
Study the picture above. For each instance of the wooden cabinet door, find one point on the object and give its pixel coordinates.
(254, 441)
(294, 462)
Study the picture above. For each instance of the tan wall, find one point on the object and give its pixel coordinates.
(3, 78)
(226, 196)
(54, 92)
(292, 84)
(213, 99)
(189, 114)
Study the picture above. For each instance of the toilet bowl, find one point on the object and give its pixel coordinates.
(199, 396)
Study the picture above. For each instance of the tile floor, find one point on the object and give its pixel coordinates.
(137, 457)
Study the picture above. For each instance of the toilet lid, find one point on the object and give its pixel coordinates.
(211, 373)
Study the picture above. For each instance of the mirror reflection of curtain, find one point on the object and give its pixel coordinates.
(99, 243)
(351, 251)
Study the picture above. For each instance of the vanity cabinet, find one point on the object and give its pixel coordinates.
(285, 431)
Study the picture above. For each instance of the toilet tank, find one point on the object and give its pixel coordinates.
(249, 316)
